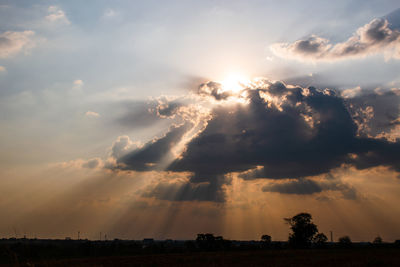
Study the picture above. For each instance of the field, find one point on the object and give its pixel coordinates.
(284, 257)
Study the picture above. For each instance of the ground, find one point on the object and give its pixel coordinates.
(285, 257)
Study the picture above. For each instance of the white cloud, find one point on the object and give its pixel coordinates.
(374, 37)
(93, 163)
(122, 146)
(13, 42)
(78, 82)
(351, 92)
(110, 13)
(56, 14)
(77, 88)
(92, 114)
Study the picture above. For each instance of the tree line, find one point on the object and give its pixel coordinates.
(304, 234)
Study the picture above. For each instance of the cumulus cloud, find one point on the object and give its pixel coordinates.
(166, 108)
(56, 14)
(213, 89)
(122, 146)
(372, 38)
(375, 113)
(12, 43)
(278, 131)
(151, 155)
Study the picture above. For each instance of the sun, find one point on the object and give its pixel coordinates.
(234, 83)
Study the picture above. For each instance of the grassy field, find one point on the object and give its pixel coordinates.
(286, 257)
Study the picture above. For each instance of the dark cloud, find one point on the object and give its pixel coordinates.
(282, 132)
(312, 45)
(168, 109)
(213, 89)
(274, 134)
(374, 37)
(298, 187)
(375, 112)
(187, 191)
(92, 163)
(308, 187)
(150, 156)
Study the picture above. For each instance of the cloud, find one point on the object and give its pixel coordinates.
(278, 131)
(166, 108)
(81, 163)
(213, 89)
(92, 114)
(78, 82)
(374, 37)
(308, 187)
(122, 146)
(375, 113)
(92, 163)
(11, 43)
(183, 190)
(110, 13)
(56, 14)
(151, 155)
(3, 69)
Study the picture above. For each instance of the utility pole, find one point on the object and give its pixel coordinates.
(331, 236)
(100, 236)
(79, 235)
(15, 232)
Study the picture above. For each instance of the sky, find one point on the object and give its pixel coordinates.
(166, 119)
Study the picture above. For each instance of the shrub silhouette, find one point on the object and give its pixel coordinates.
(265, 241)
(209, 241)
(377, 240)
(266, 238)
(345, 241)
(303, 230)
(320, 239)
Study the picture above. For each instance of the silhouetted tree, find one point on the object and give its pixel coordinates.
(205, 237)
(377, 240)
(345, 241)
(303, 230)
(266, 238)
(209, 241)
(219, 238)
(265, 241)
(320, 239)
